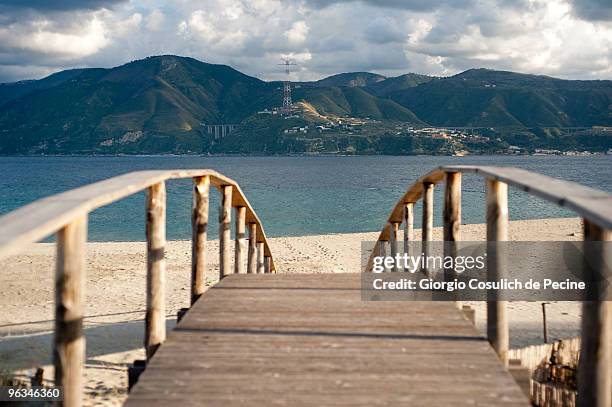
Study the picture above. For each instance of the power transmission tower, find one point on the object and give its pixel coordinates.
(287, 103)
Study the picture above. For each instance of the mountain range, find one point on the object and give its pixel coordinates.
(158, 104)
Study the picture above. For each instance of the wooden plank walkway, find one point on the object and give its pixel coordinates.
(295, 340)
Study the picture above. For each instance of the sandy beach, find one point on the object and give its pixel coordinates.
(115, 297)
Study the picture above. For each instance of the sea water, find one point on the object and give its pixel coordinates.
(291, 195)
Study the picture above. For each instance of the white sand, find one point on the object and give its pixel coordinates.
(115, 297)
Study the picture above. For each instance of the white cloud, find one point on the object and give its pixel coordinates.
(201, 22)
(298, 33)
(547, 40)
(124, 27)
(392, 37)
(155, 20)
(45, 38)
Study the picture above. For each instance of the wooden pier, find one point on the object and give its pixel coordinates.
(309, 340)
(262, 338)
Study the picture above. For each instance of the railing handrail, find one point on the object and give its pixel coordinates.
(595, 207)
(66, 214)
(45, 216)
(590, 203)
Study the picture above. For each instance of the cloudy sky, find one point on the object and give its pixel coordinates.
(563, 38)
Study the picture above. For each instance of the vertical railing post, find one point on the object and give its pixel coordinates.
(225, 233)
(452, 219)
(427, 224)
(260, 257)
(267, 264)
(595, 366)
(383, 251)
(452, 207)
(240, 244)
(393, 241)
(408, 225)
(69, 342)
(252, 261)
(199, 224)
(155, 321)
(497, 231)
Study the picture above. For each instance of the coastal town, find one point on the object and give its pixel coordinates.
(330, 134)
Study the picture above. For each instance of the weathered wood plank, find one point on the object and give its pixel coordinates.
(199, 225)
(427, 224)
(497, 231)
(260, 257)
(240, 243)
(225, 232)
(46, 216)
(267, 264)
(591, 203)
(452, 207)
(595, 370)
(408, 225)
(155, 319)
(252, 261)
(427, 220)
(393, 242)
(594, 205)
(452, 221)
(69, 342)
(309, 340)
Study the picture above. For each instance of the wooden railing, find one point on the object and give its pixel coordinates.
(66, 214)
(594, 206)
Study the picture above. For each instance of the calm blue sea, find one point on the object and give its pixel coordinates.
(292, 195)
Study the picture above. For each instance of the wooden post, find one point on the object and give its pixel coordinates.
(393, 237)
(544, 324)
(267, 264)
(408, 225)
(497, 231)
(240, 244)
(369, 268)
(427, 225)
(260, 257)
(427, 228)
(225, 233)
(452, 220)
(199, 224)
(252, 266)
(452, 207)
(69, 342)
(155, 320)
(595, 366)
(383, 251)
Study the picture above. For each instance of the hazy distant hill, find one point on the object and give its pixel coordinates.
(482, 97)
(158, 104)
(397, 83)
(351, 79)
(10, 91)
(375, 84)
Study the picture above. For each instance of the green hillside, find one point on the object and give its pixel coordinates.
(482, 97)
(161, 104)
(355, 102)
(154, 105)
(147, 105)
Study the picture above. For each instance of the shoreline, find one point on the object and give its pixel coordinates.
(373, 233)
(115, 296)
(306, 154)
